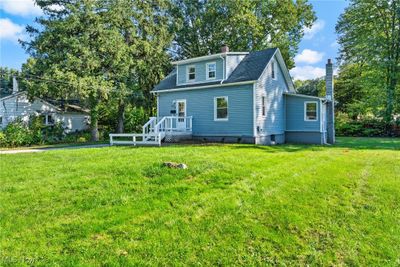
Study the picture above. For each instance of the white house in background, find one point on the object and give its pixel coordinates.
(18, 105)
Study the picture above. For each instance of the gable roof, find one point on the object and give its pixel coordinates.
(58, 108)
(249, 70)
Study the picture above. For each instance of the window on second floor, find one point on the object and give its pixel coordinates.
(211, 69)
(310, 111)
(191, 73)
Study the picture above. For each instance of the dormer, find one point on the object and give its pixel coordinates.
(207, 69)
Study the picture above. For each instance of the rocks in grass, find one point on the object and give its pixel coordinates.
(174, 165)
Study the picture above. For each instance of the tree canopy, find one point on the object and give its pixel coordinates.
(203, 26)
(369, 35)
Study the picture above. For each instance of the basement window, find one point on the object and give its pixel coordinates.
(311, 111)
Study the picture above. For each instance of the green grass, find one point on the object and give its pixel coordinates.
(234, 205)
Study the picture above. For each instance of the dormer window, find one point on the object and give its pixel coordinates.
(191, 73)
(211, 70)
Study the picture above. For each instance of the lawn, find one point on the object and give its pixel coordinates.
(234, 205)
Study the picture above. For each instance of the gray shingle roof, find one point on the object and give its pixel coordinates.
(249, 69)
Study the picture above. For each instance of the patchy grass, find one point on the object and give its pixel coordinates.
(235, 205)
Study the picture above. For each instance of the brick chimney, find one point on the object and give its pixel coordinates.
(330, 105)
(224, 48)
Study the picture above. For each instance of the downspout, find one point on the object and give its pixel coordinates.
(223, 69)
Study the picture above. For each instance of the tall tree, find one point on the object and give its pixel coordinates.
(369, 34)
(203, 26)
(95, 49)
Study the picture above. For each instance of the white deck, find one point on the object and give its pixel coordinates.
(154, 131)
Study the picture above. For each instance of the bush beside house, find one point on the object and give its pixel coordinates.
(20, 133)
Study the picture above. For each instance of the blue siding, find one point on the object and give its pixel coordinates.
(200, 71)
(274, 120)
(200, 105)
(295, 114)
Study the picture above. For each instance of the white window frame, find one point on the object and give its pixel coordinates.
(208, 71)
(273, 70)
(305, 110)
(47, 120)
(188, 74)
(215, 109)
(263, 106)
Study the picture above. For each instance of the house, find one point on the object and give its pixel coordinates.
(18, 105)
(246, 97)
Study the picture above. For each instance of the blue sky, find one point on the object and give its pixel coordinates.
(318, 44)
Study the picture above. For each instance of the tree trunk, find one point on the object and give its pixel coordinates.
(121, 117)
(94, 120)
(391, 87)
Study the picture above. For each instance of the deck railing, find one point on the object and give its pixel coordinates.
(137, 139)
(170, 124)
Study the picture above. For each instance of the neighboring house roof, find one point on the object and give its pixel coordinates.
(65, 108)
(249, 69)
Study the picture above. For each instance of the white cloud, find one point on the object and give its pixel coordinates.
(309, 56)
(11, 31)
(20, 7)
(316, 27)
(307, 72)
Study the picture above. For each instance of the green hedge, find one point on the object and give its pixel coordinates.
(20, 133)
(365, 127)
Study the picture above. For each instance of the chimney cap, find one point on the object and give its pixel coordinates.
(329, 61)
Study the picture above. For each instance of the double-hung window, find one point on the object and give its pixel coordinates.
(311, 111)
(221, 108)
(211, 70)
(191, 73)
(48, 119)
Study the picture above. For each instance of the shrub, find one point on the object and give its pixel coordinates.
(17, 133)
(368, 127)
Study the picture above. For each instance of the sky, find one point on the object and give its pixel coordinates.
(318, 44)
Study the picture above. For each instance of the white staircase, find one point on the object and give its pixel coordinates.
(155, 131)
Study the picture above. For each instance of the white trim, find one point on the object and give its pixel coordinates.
(188, 80)
(177, 75)
(202, 87)
(158, 105)
(305, 96)
(195, 59)
(255, 110)
(200, 82)
(303, 131)
(208, 72)
(215, 108)
(305, 110)
(177, 107)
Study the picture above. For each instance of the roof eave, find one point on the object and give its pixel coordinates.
(197, 59)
